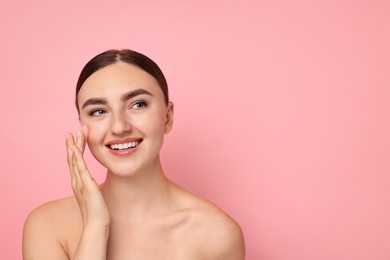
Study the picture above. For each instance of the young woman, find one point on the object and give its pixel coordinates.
(137, 213)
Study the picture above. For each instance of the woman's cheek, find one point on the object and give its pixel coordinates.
(95, 134)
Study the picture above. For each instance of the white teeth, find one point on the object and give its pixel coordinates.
(124, 146)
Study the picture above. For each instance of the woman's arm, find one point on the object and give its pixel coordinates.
(94, 212)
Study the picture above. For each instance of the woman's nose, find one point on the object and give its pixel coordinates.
(120, 124)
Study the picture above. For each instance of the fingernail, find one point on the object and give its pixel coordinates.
(78, 133)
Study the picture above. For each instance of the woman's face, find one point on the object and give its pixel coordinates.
(124, 109)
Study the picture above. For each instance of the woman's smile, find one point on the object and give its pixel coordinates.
(124, 147)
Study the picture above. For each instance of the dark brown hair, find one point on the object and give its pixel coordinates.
(129, 56)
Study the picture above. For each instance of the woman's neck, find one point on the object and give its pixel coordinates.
(139, 196)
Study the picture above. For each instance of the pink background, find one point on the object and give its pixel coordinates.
(282, 112)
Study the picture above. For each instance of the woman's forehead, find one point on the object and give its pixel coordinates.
(116, 78)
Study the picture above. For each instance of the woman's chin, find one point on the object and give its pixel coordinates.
(124, 173)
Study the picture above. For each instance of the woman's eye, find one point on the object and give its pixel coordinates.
(139, 105)
(97, 112)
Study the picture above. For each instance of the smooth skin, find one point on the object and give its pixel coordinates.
(137, 213)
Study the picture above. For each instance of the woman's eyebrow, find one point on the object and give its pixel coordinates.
(124, 97)
(134, 93)
(94, 101)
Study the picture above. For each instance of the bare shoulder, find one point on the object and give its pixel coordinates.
(47, 228)
(52, 213)
(221, 236)
(218, 235)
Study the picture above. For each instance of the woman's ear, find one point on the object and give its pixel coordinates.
(169, 117)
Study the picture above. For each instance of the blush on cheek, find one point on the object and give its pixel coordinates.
(94, 135)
